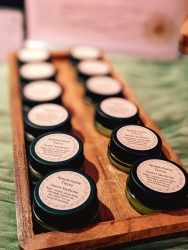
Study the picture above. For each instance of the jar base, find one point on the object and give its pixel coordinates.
(102, 130)
(119, 164)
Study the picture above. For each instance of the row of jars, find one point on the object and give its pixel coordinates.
(154, 184)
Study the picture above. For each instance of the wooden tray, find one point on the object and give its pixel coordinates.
(119, 222)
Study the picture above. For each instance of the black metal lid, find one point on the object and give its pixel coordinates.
(56, 150)
(65, 199)
(99, 88)
(130, 143)
(90, 68)
(45, 118)
(81, 52)
(27, 55)
(113, 112)
(158, 184)
(37, 71)
(39, 92)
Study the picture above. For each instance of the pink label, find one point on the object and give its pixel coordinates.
(94, 67)
(85, 51)
(136, 137)
(28, 55)
(37, 70)
(104, 85)
(56, 147)
(42, 90)
(161, 176)
(47, 114)
(118, 107)
(64, 190)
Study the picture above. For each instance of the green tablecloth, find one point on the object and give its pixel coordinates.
(162, 88)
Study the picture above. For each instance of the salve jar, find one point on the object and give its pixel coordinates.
(65, 199)
(130, 143)
(99, 88)
(37, 71)
(113, 112)
(45, 118)
(28, 55)
(39, 92)
(156, 185)
(90, 68)
(54, 151)
(82, 52)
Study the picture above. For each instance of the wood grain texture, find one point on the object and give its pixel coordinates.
(118, 221)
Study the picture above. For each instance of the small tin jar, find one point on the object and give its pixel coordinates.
(39, 92)
(82, 52)
(113, 112)
(90, 68)
(130, 143)
(65, 199)
(28, 55)
(54, 151)
(45, 118)
(99, 88)
(37, 71)
(156, 185)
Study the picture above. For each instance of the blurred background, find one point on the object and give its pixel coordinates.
(146, 29)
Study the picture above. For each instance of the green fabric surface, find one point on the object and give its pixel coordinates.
(162, 88)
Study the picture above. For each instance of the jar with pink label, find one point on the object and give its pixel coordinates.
(45, 118)
(63, 200)
(130, 143)
(113, 112)
(53, 151)
(37, 71)
(91, 68)
(82, 52)
(39, 92)
(156, 185)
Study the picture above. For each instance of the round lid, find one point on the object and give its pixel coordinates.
(158, 184)
(65, 198)
(37, 71)
(93, 68)
(82, 52)
(56, 150)
(131, 142)
(27, 55)
(41, 91)
(45, 118)
(115, 111)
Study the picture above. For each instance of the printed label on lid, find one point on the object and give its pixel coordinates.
(137, 137)
(37, 70)
(47, 114)
(42, 91)
(56, 147)
(94, 67)
(161, 176)
(104, 85)
(64, 190)
(118, 107)
(33, 54)
(85, 51)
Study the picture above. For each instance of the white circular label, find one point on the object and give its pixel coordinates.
(85, 52)
(94, 67)
(64, 190)
(56, 147)
(31, 55)
(34, 71)
(47, 114)
(103, 85)
(161, 176)
(136, 137)
(118, 107)
(42, 90)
